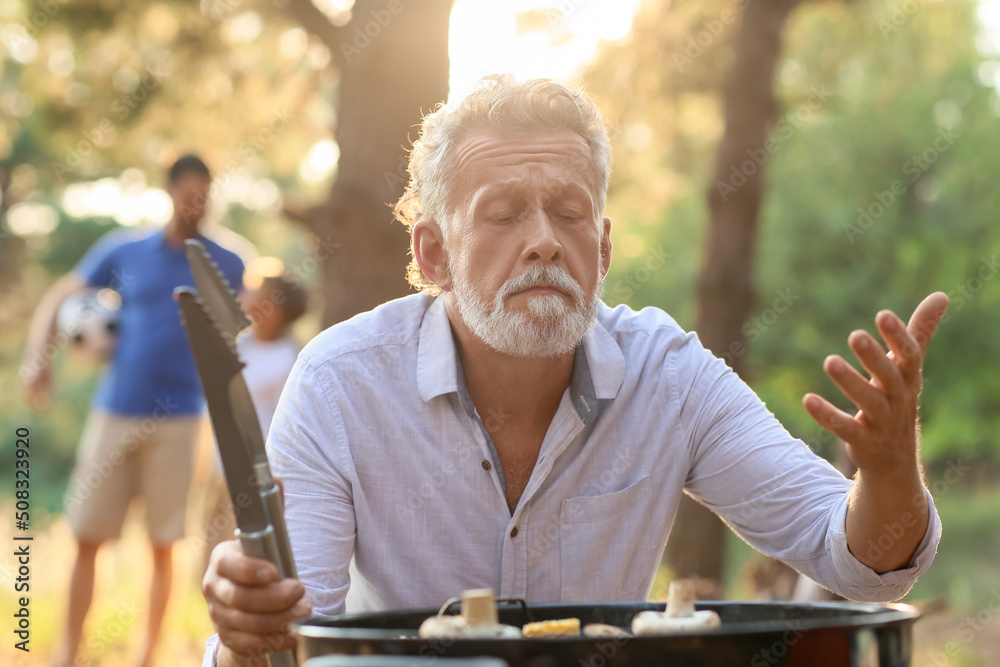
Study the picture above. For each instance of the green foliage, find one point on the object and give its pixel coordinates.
(890, 95)
(100, 88)
(137, 84)
(969, 553)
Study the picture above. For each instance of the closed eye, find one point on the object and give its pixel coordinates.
(568, 215)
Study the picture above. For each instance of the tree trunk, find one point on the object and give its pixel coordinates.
(725, 286)
(392, 68)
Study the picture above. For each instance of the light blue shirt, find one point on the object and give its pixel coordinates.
(395, 498)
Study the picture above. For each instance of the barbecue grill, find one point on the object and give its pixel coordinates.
(757, 634)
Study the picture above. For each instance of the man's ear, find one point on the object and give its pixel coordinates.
(606, 247)
(430, 253)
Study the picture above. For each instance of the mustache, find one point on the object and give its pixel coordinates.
(542, 276)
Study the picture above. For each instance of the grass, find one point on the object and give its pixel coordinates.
(116, 624)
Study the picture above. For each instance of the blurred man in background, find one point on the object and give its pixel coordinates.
(140, 435)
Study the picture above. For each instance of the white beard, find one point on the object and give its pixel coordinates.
(549, 329)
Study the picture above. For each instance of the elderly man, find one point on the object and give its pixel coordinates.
(507, 429)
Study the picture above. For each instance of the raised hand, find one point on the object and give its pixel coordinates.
(882, 436)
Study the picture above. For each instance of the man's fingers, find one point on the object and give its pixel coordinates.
(271, 599)
(232, 564)
(905, 352)
(925, 318)
(249, 607)
(856, 387)
(874, 360)
(259, 623)
(246, 643)
(834, 420)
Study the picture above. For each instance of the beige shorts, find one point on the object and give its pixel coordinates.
(122, 457)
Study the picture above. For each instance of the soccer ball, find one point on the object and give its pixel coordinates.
(89, 320)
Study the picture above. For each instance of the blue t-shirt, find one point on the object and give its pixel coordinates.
(152, 371)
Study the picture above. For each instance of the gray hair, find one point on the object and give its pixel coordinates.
(502, 103)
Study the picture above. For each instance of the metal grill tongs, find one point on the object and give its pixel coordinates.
(213, 319)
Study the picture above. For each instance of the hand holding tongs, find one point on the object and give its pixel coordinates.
(213, 319)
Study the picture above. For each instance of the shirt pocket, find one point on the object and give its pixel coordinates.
(607, 547)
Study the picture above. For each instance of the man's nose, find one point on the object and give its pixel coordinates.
(543, 241)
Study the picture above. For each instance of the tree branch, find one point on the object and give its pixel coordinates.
(306, 217)
(318, 24)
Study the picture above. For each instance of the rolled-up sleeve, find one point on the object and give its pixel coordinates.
(775, 492)
(211, 647)
(860, 582)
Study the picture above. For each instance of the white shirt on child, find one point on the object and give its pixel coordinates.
(268, 364)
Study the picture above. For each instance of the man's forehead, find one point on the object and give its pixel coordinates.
(489, 145)
(487, 157)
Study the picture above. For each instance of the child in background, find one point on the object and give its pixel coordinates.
(269, 352)
(268, 348)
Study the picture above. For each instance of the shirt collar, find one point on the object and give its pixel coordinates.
(437, 358)
(598, 373)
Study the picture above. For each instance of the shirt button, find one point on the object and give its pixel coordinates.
(513, 531)
(486, 465)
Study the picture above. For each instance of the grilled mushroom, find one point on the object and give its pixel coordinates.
(680, 615)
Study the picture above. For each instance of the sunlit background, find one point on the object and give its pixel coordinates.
(553, 39)
(97, 99)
